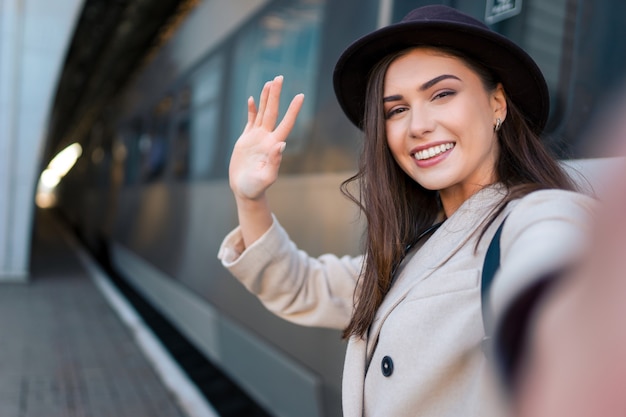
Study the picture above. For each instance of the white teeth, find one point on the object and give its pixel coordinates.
(434, 151)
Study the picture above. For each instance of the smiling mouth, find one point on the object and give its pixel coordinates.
(433, 151)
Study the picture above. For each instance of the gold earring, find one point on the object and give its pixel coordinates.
(498, 125)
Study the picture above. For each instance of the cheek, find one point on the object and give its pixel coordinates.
(479, 127)
(394, 140)
(399, 154)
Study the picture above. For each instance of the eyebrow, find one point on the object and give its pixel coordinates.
(435, 80)
(425, 86)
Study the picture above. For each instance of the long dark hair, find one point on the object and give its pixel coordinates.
(398, 209)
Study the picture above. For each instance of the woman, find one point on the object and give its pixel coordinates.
(451, 114)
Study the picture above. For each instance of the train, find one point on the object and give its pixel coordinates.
(151, 186)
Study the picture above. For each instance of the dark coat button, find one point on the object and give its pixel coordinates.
(387, 366)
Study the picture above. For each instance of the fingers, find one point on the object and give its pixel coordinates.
(262, 103)
(270, 115)
(252, 112)
(289, 120)
(269, 103)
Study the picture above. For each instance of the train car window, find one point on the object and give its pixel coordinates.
(153, 144)
(283, 39)
(599, 72)
(204, 123)
(180, 146)
(99, 157)
(181, 150)
(129, 150)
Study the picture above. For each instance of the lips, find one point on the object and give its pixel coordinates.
(433, 151)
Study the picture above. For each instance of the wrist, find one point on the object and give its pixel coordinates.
(251, 204)
(255, 218)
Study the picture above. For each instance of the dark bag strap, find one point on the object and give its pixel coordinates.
(490, 267)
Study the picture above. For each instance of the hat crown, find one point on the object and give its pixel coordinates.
(441, 14)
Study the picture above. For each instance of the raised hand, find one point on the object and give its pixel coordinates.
(256, 158)
(257, 154)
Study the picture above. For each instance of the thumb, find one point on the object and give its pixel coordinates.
(276, 154)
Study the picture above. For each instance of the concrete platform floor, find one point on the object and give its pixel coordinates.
(63, 350)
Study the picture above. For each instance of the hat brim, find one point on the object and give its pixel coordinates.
(519, 74)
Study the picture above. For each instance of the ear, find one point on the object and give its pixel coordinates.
(498, 102)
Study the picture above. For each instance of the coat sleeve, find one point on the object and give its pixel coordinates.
(290, 283)
(545, 233)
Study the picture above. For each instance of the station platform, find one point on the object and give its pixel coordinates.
(68, 350)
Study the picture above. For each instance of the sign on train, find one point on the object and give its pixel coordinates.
(498, 10)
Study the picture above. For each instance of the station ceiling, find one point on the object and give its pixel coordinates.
(112, 38)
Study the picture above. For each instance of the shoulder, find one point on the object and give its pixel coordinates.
(545, 231)
(553, 204)
(556, 197)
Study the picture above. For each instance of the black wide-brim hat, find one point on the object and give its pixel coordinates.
(443, 26)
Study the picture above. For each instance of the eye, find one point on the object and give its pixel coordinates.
(394, 111)
(444, 94)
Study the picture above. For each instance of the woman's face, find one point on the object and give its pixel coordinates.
(439, 121)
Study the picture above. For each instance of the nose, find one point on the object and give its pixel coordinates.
(420, 123)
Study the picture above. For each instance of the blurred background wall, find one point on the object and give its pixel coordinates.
(34, 37)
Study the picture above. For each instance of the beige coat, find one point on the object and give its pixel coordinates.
(429, 327)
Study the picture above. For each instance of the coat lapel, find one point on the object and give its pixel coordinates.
(354, 377)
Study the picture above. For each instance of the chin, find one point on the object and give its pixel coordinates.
(433, 184)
